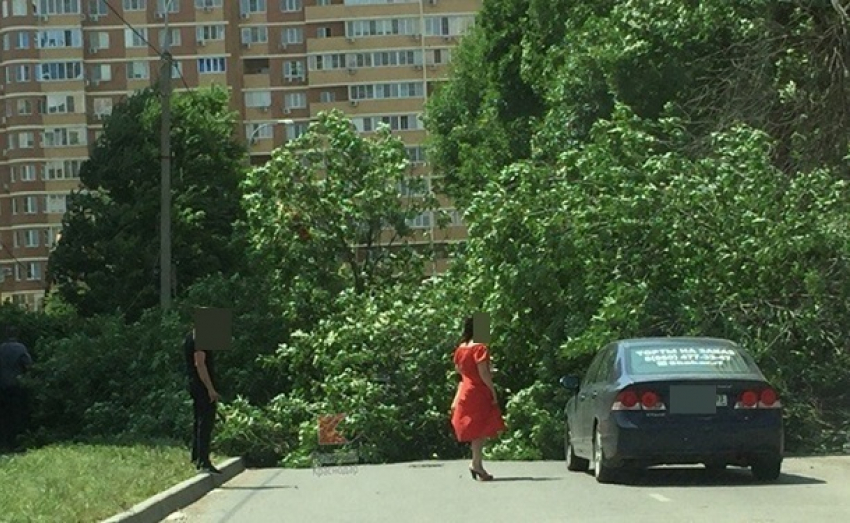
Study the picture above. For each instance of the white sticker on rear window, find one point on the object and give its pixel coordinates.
(687, 356)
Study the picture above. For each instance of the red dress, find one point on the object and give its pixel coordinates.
(475, 416)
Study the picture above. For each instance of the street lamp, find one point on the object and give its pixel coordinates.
(267, 124)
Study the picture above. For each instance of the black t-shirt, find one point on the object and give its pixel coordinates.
(195, 383)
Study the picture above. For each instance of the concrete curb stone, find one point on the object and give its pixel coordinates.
(183, 494)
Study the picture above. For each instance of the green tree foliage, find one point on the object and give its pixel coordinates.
(324, 194)
(108, 256)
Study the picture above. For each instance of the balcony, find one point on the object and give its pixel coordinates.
(333, 13)
(381, 106)
(343, 44)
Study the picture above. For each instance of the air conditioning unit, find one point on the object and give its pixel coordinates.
(352, 70)
(415, 36)
(418, 67)
(43, 18)
(246, 45)
(160, 14)
(246, 16)
(94, 50)
(287, 110)
(208, 9)
(202, 43)
(350, 39)
(432, 2)
(353, 103)
(283, 46)
(94, 18)
(265, 108)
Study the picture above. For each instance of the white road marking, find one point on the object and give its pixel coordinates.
(659, 497)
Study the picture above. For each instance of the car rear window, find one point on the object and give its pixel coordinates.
(687, 360)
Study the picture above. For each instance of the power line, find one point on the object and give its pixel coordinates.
(148, 43)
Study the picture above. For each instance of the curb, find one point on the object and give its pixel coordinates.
(183, 494)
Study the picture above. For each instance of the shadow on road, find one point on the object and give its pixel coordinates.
(699, 477)
(527, 479)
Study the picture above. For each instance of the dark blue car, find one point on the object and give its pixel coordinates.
(673, 401)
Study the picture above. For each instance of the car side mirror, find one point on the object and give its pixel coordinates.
(570, 382)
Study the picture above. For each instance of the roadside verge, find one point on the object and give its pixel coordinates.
(160, 506)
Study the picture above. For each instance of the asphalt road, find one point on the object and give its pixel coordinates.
(810, 490)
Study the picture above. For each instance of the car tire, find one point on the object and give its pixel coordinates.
(601, 469)
(767, 469)
(574, 463)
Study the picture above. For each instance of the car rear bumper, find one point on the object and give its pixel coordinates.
(635, 438)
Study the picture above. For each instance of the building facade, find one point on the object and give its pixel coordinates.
(65, 63)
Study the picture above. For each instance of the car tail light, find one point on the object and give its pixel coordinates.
(758, 399)
(626, 400)
(638, 400)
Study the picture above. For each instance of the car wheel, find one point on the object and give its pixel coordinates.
(574, 463)
(603, 471)
(767, 469)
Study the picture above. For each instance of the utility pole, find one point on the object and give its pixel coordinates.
(165, 184)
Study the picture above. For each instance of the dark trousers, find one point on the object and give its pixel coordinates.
(202, 430)
(14, 414)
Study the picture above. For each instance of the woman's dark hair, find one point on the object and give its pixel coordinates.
(467, 330)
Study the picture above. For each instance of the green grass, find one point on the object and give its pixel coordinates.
(78, 483)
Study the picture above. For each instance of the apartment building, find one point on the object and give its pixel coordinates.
(65, 63)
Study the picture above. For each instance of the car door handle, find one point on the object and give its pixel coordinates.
(594, 394)
(582, 396)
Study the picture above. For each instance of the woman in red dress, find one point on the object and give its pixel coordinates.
(475, 410)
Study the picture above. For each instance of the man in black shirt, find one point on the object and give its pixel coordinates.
(199, 363)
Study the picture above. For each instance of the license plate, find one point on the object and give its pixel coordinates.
(722, 400)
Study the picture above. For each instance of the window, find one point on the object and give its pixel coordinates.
(439, 56)
(30, 205)
(138, 70)
(448, 25)
(255, 35)
(293, 70)
(136, 38)
(252, 6)
(135, 5)
(211, 65)
(22, 40)
(291, 6)
(382, 27)
(56, 203)
(293, 131)
(64, 137)
(58, 7)
(26, 140)
(57, 104)
(101, 73)
(210, 32)
(258, 99)
(389, 90)
(396, 123)
(33, 271)
(176, 69)
(19, 8)
(259, 131)
(173, 6)
(295, 101)
(416, 154)
(55, 38)
(327, 61)
(323, 2)
(99, 40)
(423, 221)
(201, 4)
(327, 97)
(31, 238)
(413, 187)
(22, 73)
(62, 170)
(97, 8)
(27, 173)
(176, 38)
(664, 358)
(323, 32)
(24, 107)
(292, 35)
